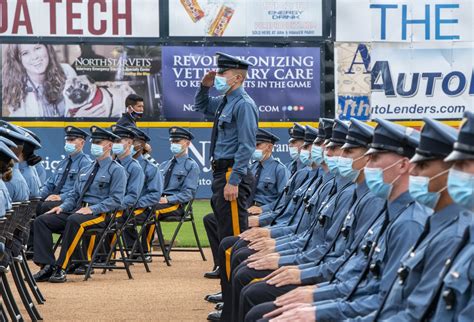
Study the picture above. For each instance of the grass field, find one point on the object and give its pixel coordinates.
(186, 236)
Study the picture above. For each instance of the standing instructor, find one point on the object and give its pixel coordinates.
(232, 141)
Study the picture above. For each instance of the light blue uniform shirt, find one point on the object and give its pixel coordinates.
(135, 180)
(5, 200)
(32, 179)
(273, 178)
(153, 186)
(106, 192)
(237, 127)
(41, 172)
(17, 186)
(79, 161)
(184, 179)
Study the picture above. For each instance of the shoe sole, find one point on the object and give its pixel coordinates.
(58, 281)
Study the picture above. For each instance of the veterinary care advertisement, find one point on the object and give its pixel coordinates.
(78, 81)
(284, 82)
(80, 18)
(245, 18)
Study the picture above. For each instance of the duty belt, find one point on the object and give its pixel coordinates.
(222, 164)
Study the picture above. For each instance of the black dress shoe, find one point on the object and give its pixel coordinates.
(81, 270)
(219, 306)
(214, 316)
(214, 298)
(216, 273)
(58, 277)
(45, 273)
(71, 268)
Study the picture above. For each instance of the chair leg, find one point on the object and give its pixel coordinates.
(30, 280)
(93, 257)
(142, 254)
(3, 314)
(138, 243)
(175, 234)
(23, 292)
(58, 242)
(124, 261)
(161, 240)
(9, 300)
(197, 239)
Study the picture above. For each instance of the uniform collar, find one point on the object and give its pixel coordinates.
(395, 206)
(235, 94)
(22, 165)
(129, 116)
(105, 162)
(125, 161)
(445, 215)
(267, 161)
(341, 181)
(361, 188)
(181, 159)
(76, 156)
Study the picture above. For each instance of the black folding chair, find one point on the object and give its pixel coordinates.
(187, 216)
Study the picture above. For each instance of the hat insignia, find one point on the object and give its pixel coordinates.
(173, 130)
(93, 129)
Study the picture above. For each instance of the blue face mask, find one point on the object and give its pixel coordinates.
(118, 148)
(97, 150)
(220, 83)
(317, 154)
(419, 190)
(69, 148)
(461, 188)
(344, 166)
(176, 148)
(132, 150)
(375, 182)
(294, 154)
(257, 155)
(305, 157)
(332, 164)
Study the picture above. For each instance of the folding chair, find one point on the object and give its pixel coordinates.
(101, 250)
(187, 216)
(151, 219)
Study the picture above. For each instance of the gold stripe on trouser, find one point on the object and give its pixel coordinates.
(78, 236)
(228, 253)
(255, 280)
(234, 209)
(152, 228)
(138, 211)
(114, 237)
(90, 249)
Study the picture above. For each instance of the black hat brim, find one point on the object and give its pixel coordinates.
(350, 146)
(333, 144)
(420, 157)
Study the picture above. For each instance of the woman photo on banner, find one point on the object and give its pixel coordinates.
(33, 81)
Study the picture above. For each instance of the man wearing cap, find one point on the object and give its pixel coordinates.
(135, 176)
(17, 186)
(232, 141)
(135, 107)
(295, 143)
(62, 180)
(456, 302)
(35, 160)
(152, 188)
(271, 177)
(99, 190)
(421, 269)
(392, 232)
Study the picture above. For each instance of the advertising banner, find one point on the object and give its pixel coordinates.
(80, 18)
(405, 20)
(412, 83)
(284, 82)
(245, 18)
(52, 151)
(404, 82)
(78, 81)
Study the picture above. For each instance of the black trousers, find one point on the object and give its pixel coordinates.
(231, 215)
(258, 293)
(210, 224)
(258, 311)
(44, 226)
(43, 207)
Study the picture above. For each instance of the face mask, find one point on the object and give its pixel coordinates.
(69, 148)
(294, 154)
(132, 150)
(332, 164)
(344, 166)
(97, 150)
(135, 114)
(317, 154)
(257, 155)
(461, 188)
(220, 83)
(374, 180)
(305, 157)
(176, 148)
(118, 148)
(419, 190)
